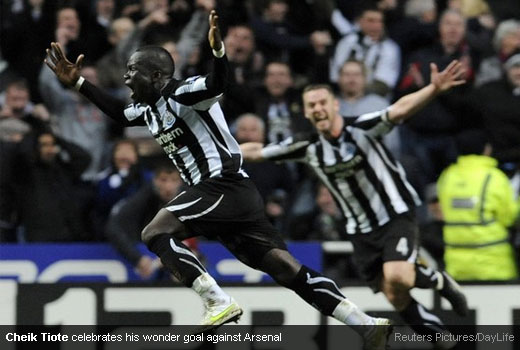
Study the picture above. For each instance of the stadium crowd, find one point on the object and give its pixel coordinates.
(67, 173)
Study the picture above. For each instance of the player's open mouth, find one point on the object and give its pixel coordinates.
(320, 119)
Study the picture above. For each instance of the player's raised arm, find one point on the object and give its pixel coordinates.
(252, 151)
(218, 77)
(441, 82)
(70, 75)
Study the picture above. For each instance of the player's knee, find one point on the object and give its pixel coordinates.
(397, 281)
(399, 275)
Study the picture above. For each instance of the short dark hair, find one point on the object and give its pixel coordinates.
(313, 87)
(472, 141)
(164, 167)
(370, 6)
(159, 59)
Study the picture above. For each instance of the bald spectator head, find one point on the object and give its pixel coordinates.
(250, 128)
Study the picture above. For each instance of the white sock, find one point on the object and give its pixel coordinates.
(348, 313)
(209, 290)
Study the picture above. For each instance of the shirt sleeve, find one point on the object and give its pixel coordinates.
(293, 148)
(200, 92)
(375, 124)
(111, 106)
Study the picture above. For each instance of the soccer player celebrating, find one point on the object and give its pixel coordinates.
(221, 202)
(371, 189)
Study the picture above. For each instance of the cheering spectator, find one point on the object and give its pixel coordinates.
(47, 171)
(278, 103)
(124, 177)
(353, 99)
(78, 120)
(370, 45)
(427, 139)
(278, 40)
(245, 67)
(24, 37)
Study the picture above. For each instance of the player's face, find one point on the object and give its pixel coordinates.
(320, 108)
(138, 77)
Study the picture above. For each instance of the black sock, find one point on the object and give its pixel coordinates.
(177, 258)
(422, 320)
(319, 291)
(425, 277)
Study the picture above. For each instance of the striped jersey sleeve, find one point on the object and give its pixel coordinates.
(293, 148)
(376, 124)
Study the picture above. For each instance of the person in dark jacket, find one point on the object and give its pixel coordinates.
(124, 177)
(129, 216)
(48, 207)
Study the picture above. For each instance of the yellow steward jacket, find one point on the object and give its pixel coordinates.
(478, 205)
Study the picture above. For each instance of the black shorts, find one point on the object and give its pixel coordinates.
(231, 211)
(397, 240)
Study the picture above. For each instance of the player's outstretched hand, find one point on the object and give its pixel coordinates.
(451, 76)
(66, 71)
(215, 40)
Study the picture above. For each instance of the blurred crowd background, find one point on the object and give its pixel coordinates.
(67, 173)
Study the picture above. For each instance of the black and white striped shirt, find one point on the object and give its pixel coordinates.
(186, 121)
(190, 127)
(368, 184)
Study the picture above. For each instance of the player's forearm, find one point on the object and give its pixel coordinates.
(252, 151)
(410, 104)
(216, 81)
(108, 104)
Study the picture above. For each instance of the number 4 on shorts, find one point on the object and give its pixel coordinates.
(402, 246)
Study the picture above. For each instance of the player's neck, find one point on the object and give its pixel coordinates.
(336, 128)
